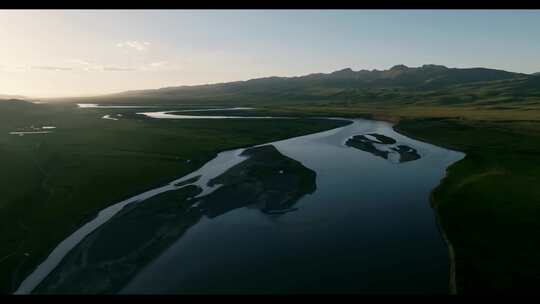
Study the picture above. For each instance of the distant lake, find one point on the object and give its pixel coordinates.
(311, 214)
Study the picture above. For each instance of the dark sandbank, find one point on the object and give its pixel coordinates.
(363, 143)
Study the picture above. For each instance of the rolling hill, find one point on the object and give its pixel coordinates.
(396, 84)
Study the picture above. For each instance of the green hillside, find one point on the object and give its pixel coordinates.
(487, 205)
(400, 83)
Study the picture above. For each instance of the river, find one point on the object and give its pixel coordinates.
(349, 221)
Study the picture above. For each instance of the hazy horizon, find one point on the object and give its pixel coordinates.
(210, 83)
(75, 53)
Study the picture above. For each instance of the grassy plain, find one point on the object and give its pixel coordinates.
(489, 204)
(52, 183)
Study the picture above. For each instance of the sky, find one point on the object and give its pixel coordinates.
(57, 53)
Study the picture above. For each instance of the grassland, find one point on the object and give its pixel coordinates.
(52, 183)
(489, 204)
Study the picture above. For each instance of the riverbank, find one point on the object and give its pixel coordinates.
(90, 162)
(114, 258)
(340, 183)
(492, 190)
(496, 178)
(452, 284)
(488, 204)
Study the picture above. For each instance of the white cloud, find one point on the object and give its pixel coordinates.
(158, 64)
(83, 65)
(20, 68)
(119, 69)
(79, 62)
(52, 68)
(86, 65)
(136, 45)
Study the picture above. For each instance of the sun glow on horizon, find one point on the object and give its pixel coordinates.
(55, 53)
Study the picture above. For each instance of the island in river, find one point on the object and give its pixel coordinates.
(501, 163)
(109, 257)
(89, 163)
(348, 216)
(383, 146)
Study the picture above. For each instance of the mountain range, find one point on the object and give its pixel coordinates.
(339, 86)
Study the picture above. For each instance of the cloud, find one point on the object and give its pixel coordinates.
(6, 68)
(52, 68)
(118, 69)
(136, 45)
(158, 64)
(91, 66)
(86, 65)
(154, 66)
(79, 62)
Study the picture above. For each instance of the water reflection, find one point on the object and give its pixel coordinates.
(366, 228)
(384, 147)
(105, 260)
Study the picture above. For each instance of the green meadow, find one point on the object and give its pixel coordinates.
(487, 206)
(53, 183)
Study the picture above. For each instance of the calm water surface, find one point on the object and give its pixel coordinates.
(367, 228)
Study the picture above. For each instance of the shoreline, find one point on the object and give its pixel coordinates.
(452, 284)
(349, 120)
(396, 128)
(163, 182)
